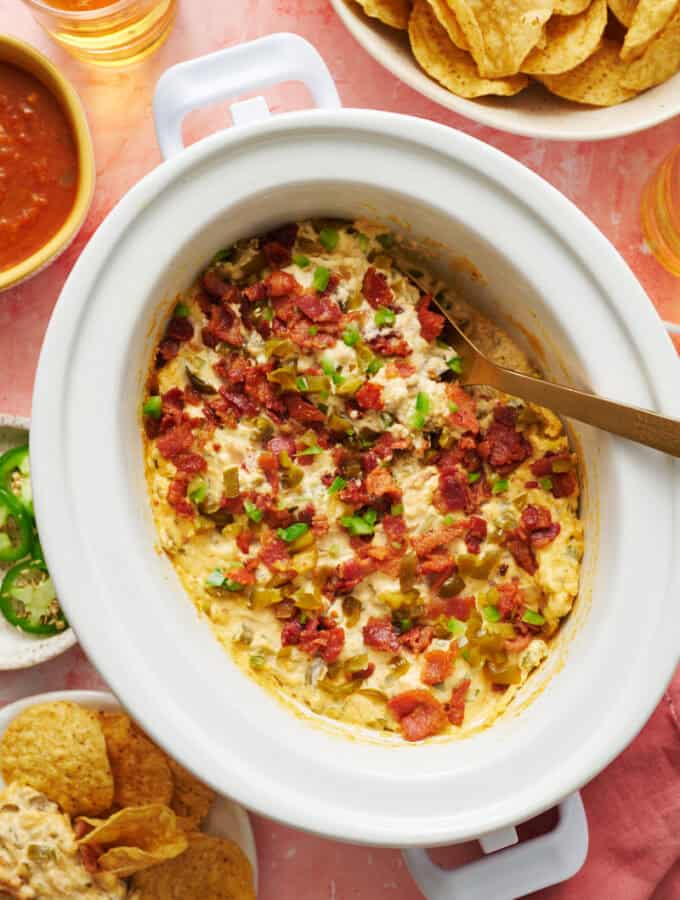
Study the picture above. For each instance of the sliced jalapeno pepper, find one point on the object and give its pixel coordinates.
(15, 528)
(29, 601)
(15, 476)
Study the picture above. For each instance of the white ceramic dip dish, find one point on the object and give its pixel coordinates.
(547, 269)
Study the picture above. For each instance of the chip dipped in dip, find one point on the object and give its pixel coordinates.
(367, 538)
(39, 856)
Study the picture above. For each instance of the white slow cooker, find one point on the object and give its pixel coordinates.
(547, 271)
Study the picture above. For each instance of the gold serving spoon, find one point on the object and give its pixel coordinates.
(630, 422)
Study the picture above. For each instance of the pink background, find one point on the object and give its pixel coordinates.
(629, 860)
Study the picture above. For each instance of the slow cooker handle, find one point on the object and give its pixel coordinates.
(515, 871)
(233, 72)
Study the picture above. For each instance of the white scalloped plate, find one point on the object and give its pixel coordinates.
(19, 650)
(227, 819)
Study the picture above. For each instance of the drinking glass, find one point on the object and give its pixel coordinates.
(661, 213)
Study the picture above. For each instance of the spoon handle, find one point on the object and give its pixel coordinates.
(639, 425)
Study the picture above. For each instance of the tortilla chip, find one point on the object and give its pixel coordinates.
(191, 799)
(453, 68)
(598, 81)
(211, 869)
(623, 10)
(391, 12)
(501, 33)
(659, 62)
(571, 40)
(650, 18)
(59, 750)
(570, 7)
(141, 774)
(447, 19)
(135, 838)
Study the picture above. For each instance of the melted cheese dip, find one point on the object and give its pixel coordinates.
(306, 439)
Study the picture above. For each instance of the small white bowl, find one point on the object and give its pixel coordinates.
(533, 113)
(226, 819)
(19, 650)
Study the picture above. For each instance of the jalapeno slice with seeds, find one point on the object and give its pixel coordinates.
(15, 528)
(15, 476)
(29, 601)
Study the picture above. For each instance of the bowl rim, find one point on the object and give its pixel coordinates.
(646, 331)
(24, 56)
(361, 25)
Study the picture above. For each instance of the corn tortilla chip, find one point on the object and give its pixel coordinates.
(391, 12)
(570, 7)
(650, 18)
(135, 838)
(211, 869)
(449, 22)
(191, 799)
(598, 81)
(571, 40)
(623, 10)
(451, 67)
(59, 750)
(141, 774)
(659, 62)
(501, 33)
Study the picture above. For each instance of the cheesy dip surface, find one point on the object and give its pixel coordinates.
(367, 538)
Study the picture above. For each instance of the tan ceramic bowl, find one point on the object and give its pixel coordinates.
(20, 54)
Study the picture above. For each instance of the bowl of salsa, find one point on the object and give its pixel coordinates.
(46, 162)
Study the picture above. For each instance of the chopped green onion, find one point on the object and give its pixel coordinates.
(473, 477)
(360, 525)
(223, 255)
(417, 421)
(370, 516)
(215, 579)
(351, 337)
(500, 486)
(268, 314)
(329, 238)
(293, 532)
(404, 624)
(197, 491)
(320, 279)
(533, 618)
(181, 311)
(423, 403)
(327, 367)
(456, 627)
(312, 330)
(448, 520)
(253, 512)
(384, 316)
(257, 661)
(230, 585)
(337, 484)
(397, 509)
(491, 613)
(311, 451)
(303, 618)
(301, 260)
(546, 483)
(153, 407)
(375, 365)
(455, 364)
(386, 240)
(301, 383)
(363, 242)
(453, 407)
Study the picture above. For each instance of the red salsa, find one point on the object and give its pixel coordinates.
(38, 165)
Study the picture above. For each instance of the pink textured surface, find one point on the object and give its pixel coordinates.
(634, 807)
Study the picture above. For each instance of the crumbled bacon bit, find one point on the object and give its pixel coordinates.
(176, 440)
(302, 410)
(455, 708)
(431, 322)
(318, 308)
(454, 493)
(273, 551)
(418, 638)
(179, 329)
(277, 255)
(379, 483)
(381, 635)
(375, 288)
(510, 600)
(465, 418)
(177, 496)
(503, 447)
(438, 665)
(191, 463)
(370, 396)
(167, 350)
(521, 552)
(321, 638)
(390, 344)
(540, 528)
(281, 284)
(475, 534)
(420, 715)
(395, 529)
(223, 326)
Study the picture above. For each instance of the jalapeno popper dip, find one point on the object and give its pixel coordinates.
(367, 538)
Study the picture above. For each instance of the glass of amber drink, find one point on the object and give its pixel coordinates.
(661, 213)
(106, 32)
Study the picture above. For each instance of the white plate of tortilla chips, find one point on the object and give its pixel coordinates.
(557, 69)
(91, 807)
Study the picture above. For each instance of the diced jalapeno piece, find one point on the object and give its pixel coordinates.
(253, 512)
(328, 238)
(533, 618)
(153, 407)
(293, 532)
(301, 260)
(351, 337)
(320, 279)
(336, 485)
(492, 614)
